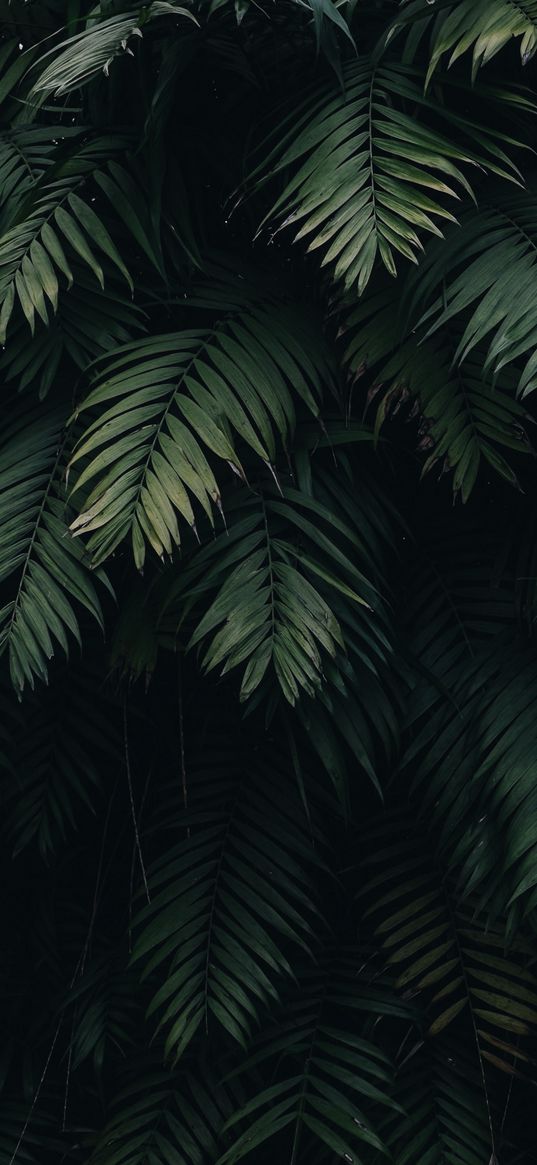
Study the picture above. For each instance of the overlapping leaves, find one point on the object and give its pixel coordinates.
(166, 404)
(230, 898)
(275, 574)
(367, 178)
(53, 219)
(482, 278)
(466, 419)
(456, 26)
(443, 951)
(162, 1117)
(42, 571)
(330, 1072)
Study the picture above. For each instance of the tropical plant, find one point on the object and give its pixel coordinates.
(268, 559)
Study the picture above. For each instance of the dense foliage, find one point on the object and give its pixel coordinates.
(268, 558)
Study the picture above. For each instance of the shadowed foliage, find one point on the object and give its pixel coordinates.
(268, 562)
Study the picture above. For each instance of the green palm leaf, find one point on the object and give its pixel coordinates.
(53, 218)
(166, 404)
(226, 899)
(45, 570)
(485, 26)
(480, 279)
(367, 178)
(88, 322)
(270, 558)
(57, 769)
(330, 1072)
(447, 1115)
(162, 1117)
(81, 58)
(443, 950)
(466, 420)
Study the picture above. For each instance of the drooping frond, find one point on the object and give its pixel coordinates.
(286, 558)
(231, 891)
(88, 322)
(166, 404)
(82, 57)
(330, 1072)
(54, 217)
(443, 951)
(466, 421)
(446, 1114)
(456, 26)
(483, 276)
(45, 569)
(367, 177)
(161, 1117)
(104, 1012)
(480, 788)
(56, 770)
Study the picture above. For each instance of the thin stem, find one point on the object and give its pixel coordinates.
(131, 799)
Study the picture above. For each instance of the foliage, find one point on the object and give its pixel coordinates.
(268, 557)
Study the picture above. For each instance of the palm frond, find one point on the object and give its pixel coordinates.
(481, 278)
(456, 26)
(82, 57)
(57, 769)
(447, 1114)
(52, 217)
(443, 951)
(481, 788)
(167, 403)
(367, 178)
(227, 898)
(270, 557)
(105, 1013)
(465, 419)
(88, 322)
(330, 1072)
(43, 571)
(163, 1117)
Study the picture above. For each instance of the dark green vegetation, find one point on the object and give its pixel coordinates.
(268, 558)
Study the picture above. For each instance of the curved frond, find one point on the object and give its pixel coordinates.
(42, 570)
(329, 1072)
(472, 767)
(161, 1117)
(483, 276)
(226, 899)
(367, 177)
(57, 768)
(447, 1114)
(281, 557)
(168, 403)
(52, 218)
(88, 322)
(466, 420)
(443, 951)
(456, 26)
